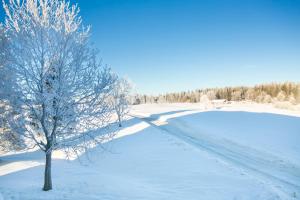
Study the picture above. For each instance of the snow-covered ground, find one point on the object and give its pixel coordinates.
(174, 151)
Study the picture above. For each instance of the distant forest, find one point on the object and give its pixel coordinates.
(288, 92)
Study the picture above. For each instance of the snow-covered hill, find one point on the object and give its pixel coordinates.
(174, 151)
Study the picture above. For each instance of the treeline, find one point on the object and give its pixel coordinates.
(263, 93)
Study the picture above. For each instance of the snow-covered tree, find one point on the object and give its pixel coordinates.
(121, 98)
(62, 88)
(281, 96)
(211, 95)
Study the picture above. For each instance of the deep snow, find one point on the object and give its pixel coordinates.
(174, 151)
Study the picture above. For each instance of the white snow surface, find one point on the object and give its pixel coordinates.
(174, 151)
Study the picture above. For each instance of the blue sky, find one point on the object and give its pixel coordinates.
(167, 46)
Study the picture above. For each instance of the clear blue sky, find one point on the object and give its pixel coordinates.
(175, 45)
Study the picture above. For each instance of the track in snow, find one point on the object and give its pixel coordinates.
(283, 176)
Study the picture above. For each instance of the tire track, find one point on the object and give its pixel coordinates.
(282, 177)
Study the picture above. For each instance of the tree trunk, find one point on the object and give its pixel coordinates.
(120, 121)
(47, 177)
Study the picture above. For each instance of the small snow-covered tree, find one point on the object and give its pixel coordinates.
(211, 95)
(236, 95)
(62, 89)
(281, 96)
(292, 99)
(121, 98)
(205, 101)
